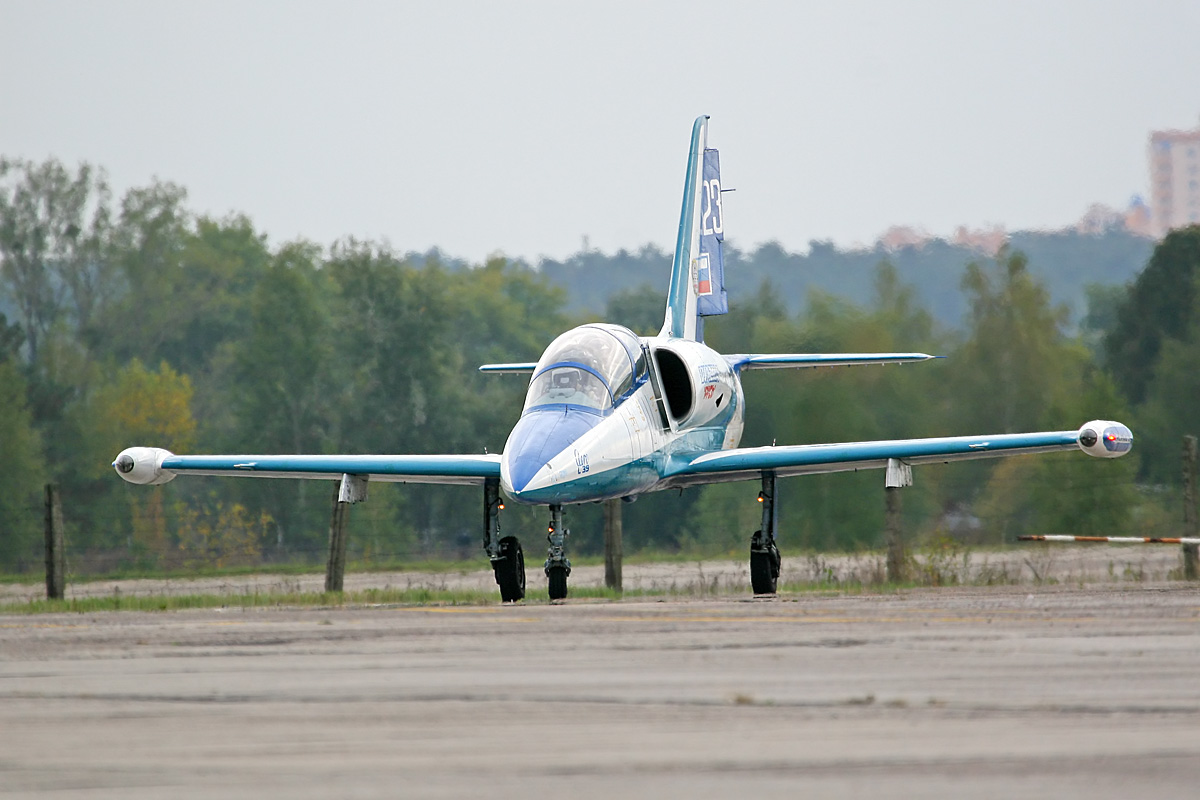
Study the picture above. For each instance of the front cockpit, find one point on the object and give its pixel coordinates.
(592, 367)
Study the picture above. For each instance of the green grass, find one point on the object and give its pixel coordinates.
(395, 597)
(367, 597)
(310, 568)
(119, 602)
(298, 568)
(939, 569)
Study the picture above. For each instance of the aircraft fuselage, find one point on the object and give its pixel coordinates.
(684, 399)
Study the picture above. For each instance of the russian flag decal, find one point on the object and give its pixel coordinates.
(703, 273)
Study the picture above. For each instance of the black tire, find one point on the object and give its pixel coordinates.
(558, 582)
(764, 569)
(510, 570)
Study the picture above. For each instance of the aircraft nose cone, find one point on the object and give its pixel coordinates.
(538, 437)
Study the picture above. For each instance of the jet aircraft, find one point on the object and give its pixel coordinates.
(609, 414)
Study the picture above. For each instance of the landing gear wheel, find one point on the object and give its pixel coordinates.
(510, 570)
(764, 569)
(558, 582)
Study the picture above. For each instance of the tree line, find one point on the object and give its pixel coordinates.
(1067, 262)
(134, 320)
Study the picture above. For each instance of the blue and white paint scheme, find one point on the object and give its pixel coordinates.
(609, 414)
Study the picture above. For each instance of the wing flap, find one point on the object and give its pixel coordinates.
(749, 462)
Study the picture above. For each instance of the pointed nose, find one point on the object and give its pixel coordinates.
(537, 438)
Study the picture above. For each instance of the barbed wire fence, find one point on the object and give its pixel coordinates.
(186, 539)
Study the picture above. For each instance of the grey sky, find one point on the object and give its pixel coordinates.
(521, 127)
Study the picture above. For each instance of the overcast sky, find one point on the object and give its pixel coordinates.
(522, 127)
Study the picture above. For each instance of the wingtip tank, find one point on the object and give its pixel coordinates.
(1104, 438)
(143, 465)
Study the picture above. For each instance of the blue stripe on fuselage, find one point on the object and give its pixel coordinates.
(626, 480)
(540, 435)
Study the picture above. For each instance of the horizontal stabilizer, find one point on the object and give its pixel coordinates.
(523, 367)
(795, 360)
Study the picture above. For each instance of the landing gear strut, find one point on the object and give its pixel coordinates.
(558, 566)
(764, 554)
(508, 562)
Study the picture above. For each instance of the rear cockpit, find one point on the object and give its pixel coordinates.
(592, 367)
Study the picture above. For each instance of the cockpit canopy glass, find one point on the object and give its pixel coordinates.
(590, 366)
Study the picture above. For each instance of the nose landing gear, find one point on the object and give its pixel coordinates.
(558, 566)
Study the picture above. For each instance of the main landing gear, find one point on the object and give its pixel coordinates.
(509, 568)
(764, 553)
(508, 562)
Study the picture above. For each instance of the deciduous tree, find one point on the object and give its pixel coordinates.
(1161, 305)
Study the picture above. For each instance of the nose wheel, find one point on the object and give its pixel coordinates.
(558, 582)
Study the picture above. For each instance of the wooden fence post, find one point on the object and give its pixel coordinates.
(612, 544)
(897, 476)
(56, 561)
(895, 535)
(335, 571)
(1190, 525)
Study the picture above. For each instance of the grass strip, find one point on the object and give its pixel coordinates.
(165, 602)
(389, 597)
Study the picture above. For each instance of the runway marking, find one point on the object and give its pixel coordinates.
(476, 610)
(842, 620)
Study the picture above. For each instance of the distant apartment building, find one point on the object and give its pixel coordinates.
(1175, 179)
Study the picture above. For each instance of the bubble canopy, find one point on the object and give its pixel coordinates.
(592, 367)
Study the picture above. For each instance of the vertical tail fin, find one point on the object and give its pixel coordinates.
(697, 273)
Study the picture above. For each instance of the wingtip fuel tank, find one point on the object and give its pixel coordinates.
(1104, 438)
(143, 465)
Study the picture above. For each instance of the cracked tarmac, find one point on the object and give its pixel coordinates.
(961, 692)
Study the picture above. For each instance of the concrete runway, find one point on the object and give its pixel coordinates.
(935, 693)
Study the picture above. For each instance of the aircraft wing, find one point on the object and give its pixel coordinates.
(153, 465)
(1099, 438)
(746, 361)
